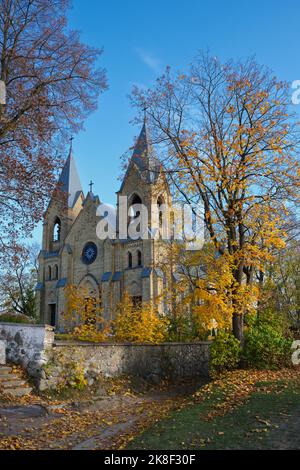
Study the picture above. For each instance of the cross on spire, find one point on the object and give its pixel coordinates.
(91, 186)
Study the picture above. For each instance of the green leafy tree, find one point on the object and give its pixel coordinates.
(18, 280)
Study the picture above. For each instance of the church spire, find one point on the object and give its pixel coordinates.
(143, 158)
(143, 154)
(142, 148)
(69, 181)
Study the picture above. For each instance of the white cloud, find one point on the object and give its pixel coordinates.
(150, 60)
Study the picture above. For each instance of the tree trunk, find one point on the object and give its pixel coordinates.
(238, 316)
(238, 327)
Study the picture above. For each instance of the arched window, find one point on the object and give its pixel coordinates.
(133, 213)
(160, 203)
(129, 260)
(56, 230)
(49, 273)
(56, 271)
(135, 199)
(139, 258)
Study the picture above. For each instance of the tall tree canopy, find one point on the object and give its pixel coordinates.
(228, 139)
(18, 280)
(52, 82)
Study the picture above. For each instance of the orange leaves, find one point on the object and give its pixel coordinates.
(236, 387)
(139, 323)
(83, 315)
(231, 109)
(213, 293)
(90, 333)
(219, 294)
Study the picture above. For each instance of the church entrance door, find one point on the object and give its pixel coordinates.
(52, 314)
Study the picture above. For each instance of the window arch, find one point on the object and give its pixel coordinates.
(49, 273)
(160, 202)
(134, 212)
(56, 230)
(139, 258)
(56, 272)
(134, 200)
(129, 258)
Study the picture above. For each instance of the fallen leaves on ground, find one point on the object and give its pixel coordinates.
(235, 387)
(64, 428)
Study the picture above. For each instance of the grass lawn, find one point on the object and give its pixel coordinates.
(240, 410)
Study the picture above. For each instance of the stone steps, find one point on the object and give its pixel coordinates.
(7, 377)
(18, 391)
(11, 384)
(5, 370)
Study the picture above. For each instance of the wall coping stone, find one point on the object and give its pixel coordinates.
(58, 343)
(28, 325)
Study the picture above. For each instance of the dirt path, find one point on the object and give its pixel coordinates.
(101, 424)
(111, 422)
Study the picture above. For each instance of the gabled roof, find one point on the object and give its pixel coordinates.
(144, 159)
(69, 181)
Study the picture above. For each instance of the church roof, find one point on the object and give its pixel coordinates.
(69, 180)
(144, 158)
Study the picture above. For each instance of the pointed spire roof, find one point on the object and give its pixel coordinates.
(142, 147)
(69, 180)
(144, 158)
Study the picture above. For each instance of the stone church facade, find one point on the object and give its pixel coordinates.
(72, 253)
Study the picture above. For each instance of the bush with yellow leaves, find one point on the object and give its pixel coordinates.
(83, 316)
(139, 323)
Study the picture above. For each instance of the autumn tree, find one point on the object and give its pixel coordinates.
(52, 83)
(139, 323)
(229, 142)
(82, 317)
(18, 279)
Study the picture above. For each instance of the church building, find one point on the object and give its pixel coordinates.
(73, 254)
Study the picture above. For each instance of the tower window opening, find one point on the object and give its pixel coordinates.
(129, 260)
(56, 271)
(134, 214)
(160, 203)
(139, 258)
(57, 230)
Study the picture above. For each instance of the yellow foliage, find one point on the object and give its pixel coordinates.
(139, 323)
(219, 295)
(83, 315)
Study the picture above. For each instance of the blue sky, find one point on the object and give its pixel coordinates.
(140, 38)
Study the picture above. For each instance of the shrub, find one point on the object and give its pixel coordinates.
(225, 352)
(83, 316)
(139, 323)
(90, 333)
(14, 318)
(75, 377)
(266, 347)
(181, 328)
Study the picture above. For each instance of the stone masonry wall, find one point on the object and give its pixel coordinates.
(27, 345)
(50, 362)
(152, 362)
